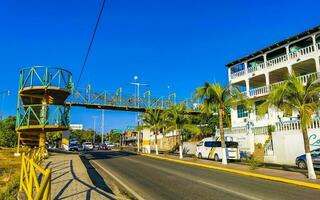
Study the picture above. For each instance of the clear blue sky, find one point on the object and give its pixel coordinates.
(180, 43)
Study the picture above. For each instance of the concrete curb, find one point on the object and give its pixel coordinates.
(267, 177)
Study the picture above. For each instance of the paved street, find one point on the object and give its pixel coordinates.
(157, 179)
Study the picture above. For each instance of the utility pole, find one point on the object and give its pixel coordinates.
(94, 128)
(102, 126)
(3, 93)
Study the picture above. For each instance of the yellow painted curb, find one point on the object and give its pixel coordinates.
(267, 177)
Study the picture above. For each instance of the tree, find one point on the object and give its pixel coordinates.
(220, 98)
(177, 119)
(8, 135)
(53, 136)
(293, 95)
(154, 120)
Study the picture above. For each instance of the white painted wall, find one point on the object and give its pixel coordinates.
(287, 145)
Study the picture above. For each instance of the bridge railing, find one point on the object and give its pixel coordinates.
(29, 115)
(119, 99)
(45, 77)
(35, 181)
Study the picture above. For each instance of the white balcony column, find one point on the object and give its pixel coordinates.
(247, 87)
(290, 69)
(288, 52)
(229, 73)
(314, 42)
(317, 61)
(265, 60)
(245, 67)
(267, 78)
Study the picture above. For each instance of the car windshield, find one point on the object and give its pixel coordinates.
(87, 143)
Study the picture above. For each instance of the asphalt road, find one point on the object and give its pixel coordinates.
(157, 179)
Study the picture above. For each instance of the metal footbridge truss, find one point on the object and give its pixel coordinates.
(46, 95)
(123, 102)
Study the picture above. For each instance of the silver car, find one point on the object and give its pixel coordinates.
(87, 146)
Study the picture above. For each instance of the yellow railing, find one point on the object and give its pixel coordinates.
(35, 181)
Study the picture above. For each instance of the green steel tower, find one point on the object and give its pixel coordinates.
(41, 103)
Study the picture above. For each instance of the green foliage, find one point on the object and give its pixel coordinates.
(254, 163)
(294, 95)
(176, 118)
(114, 136)
(271, 128)
(53, 136)
(8, 135)
(83, 135)
(11, 189)
(154, 120)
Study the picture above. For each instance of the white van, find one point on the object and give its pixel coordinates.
(210, 148)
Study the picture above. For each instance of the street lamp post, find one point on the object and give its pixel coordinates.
(137, 97)
(94, 128)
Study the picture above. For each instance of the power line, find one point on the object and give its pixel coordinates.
(91, 42)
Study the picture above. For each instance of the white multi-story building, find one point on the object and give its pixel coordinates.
(256, 73)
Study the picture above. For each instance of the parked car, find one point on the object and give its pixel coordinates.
(315, 155)
(73, 147)
(209, 148)
(103, 147)
(110, 144)
(87, 146)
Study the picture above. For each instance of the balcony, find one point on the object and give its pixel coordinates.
(278, 61)
(264, 90)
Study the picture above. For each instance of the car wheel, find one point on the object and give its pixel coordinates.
(216, 157)
(302, 164)
(199, 155)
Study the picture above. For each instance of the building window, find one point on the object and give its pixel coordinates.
(242, 112)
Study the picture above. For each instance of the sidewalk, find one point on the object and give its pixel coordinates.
(296, 176)
(71, 179)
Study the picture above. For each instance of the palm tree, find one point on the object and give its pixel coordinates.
(294, 95)
(177, 119)
(219, 98)
(154, 120)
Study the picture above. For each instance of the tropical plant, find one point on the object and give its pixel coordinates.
(154, 120)
(177, 119)
(217, 98)
(294, 95)
(8, 135)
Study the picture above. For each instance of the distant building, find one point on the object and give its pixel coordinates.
(76, 127)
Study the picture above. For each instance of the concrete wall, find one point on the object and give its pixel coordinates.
(190, 147)
(287, 145)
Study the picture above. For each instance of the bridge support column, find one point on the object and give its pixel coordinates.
(18, 146)
(42, 139)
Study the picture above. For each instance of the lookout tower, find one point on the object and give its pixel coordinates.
(41, 103)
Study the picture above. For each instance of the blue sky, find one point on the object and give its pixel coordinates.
(180, 43)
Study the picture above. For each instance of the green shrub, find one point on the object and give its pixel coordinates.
(254, 163)
(11, 189)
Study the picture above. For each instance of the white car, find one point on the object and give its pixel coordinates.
(87, 146)
(210, 148)
(110, 145)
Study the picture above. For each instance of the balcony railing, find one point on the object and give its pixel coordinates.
(302, 52)
(256, 68)
(278, 60)
(295, 125)
(238, 74)
(260, 91)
